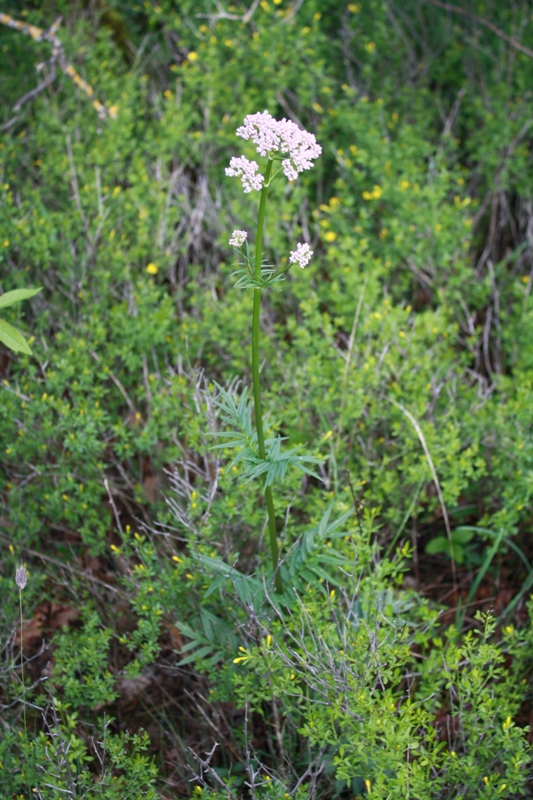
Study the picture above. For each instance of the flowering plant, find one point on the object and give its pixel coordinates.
(284, 143)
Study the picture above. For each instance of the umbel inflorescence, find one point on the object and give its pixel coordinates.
(278, 140)
(275, 139)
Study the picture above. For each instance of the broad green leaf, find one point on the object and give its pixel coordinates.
(13, 338)
(439, 544)
(10, 298)
(462, 535)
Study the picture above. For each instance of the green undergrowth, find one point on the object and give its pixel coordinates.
(400, 358)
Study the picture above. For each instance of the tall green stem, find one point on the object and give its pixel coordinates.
(255, 377)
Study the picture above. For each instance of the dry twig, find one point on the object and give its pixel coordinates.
(58, 57)
(485, 22)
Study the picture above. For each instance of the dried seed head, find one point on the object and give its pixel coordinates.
(21, 577)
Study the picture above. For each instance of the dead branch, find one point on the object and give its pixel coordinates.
(485, 22)
(58, 57)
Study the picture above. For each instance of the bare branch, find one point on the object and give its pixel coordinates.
(33, 93)
(58, 56)
(485, 22)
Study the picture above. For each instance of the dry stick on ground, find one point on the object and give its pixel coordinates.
(485, 22)
(58, 57)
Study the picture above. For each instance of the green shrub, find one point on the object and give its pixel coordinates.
(416, 307)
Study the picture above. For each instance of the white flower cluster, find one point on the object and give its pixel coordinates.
(301, 256)
(247, 171)
(238, 238)
(274, 136)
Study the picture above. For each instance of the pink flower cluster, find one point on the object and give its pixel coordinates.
(274, 136)
(301, 256)
(247, 171)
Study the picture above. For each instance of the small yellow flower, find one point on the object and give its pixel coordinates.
(168, 94)
(113, 112)
(177, 559)
(330, 236)
(367, 784)
(354, 8)
(152, 269)
(486, 780)
(370, 47)
(193, 56)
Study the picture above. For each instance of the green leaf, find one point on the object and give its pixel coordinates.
(10, 298)
(439, 544)
(200, 653)
(13, 338)
(462, 535)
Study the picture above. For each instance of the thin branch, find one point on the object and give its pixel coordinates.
(223, 14)
(58, 56)
(205, 765)
(485, 22)
(33, 93)
(64, 565)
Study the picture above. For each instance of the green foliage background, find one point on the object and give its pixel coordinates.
(417, 300)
